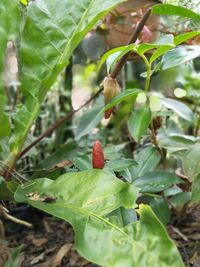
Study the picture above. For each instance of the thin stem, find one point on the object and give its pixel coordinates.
(148, 78)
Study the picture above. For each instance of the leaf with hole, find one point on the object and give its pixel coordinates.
(96, 237)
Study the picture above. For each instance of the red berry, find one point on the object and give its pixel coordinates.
(97, 156)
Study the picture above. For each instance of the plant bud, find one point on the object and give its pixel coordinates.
(97, 156)
(111, 89)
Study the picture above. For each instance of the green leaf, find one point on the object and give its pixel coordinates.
(179, 55)
(96, 237)
(161, 50)
(161, 209)
(185, 36)
(167, 40)
(196, 189)
(5, 130)
(52, 31)
(156, 181)
(180, 199)
(89, 120)
(112, 55)
(147, 160)
(121, 97)
(120, 164)
(14, 259)
(139, 121)
(170, 10)
(65, 152)
(181, 109)
(83, 162)
(191, 161)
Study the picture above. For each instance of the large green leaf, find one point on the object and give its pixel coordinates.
(139, 121)
(84, 199)
(52, 31)
(147, 160)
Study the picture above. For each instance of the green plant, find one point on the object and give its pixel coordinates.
(100, 204)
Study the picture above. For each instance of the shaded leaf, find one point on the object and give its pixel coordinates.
(191, 161)
(89, 120)
(121, 97)
(147, 160)
(161, 209)
(120, 164)
(181, 109)
(196, 189)
(156, 181)
(139, 121)
(179, 55)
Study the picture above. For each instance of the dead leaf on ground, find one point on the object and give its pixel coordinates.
(57, 259)
(37, 259)
(39, 241)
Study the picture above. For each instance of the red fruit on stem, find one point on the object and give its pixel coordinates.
(97, 156)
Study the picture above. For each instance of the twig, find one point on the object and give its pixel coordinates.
(4, 214)
(113, 74)
(154, 140)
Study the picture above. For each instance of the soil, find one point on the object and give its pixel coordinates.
(50, 242)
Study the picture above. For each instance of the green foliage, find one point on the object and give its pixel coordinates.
(156, 181)
(9, 25)
(59, 33)
(87, 214)
(139, 121)
(145, 142)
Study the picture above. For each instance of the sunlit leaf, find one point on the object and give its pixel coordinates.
(96, 237)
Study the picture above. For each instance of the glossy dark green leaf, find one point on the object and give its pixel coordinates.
(191, 161)
(181, 109)
(121, 97)
(156, 181)
(85, 206)
(88, 121)
(170, 10)
(174, 142)
(139, 121)
(161, 209)
(147, 159)
(180, 199)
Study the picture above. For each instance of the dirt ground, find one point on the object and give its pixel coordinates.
(50, 242)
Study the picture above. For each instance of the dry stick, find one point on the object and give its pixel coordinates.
(113, 74)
